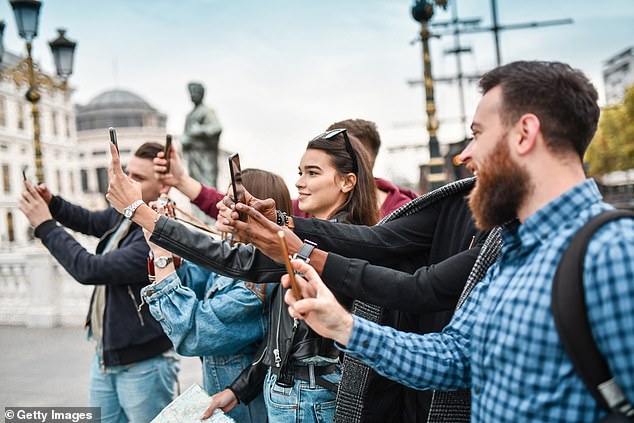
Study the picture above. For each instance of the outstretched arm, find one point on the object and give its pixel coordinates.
(432, 361)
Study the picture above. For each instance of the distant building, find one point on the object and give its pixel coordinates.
(58, 139)
(136, 122)
(618, 74)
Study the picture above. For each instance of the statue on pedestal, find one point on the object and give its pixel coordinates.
(201, 138)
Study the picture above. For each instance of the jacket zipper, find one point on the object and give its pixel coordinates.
(137, 307)
(276, 351)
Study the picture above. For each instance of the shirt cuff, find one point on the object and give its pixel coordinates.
(44, 228)
(363, 339)
(155, 291)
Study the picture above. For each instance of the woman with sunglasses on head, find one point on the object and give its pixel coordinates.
(219, 318)
(298, 369)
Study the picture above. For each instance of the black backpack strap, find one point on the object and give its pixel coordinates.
(571, 319)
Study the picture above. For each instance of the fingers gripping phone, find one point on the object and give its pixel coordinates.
(289, 269)
(113, 138)
(236, 182)
(166, 152)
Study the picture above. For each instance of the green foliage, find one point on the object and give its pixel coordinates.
(612, 147)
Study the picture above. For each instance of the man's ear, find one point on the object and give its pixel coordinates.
(529, 130)
(349, 182)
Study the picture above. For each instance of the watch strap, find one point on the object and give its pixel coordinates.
(129, 211)
(158, 261)
(305, 251)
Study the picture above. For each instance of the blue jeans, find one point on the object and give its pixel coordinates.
(134, 392)
(304, 402)
(219, 371)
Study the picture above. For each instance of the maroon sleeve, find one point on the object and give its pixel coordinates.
(207, 200)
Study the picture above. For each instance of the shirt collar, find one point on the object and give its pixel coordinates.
(548, 220)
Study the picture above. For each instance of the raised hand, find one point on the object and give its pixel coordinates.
(318, 307)
(122, 190)
(44, 192)
(262, 233)
(33, 206)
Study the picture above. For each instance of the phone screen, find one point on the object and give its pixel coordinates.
(289, 269)
(166, 152)
(236, 181)
(113, 138)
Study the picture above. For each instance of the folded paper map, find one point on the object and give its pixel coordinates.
(188, 407)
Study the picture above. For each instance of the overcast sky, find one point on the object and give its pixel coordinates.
(278, 72)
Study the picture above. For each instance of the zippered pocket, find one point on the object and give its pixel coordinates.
(137, 307)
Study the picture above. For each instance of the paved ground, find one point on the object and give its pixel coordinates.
(50, 367)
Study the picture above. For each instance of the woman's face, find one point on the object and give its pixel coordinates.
(321, 188)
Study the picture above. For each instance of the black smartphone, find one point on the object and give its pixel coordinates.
(236, 181)
(24, 168)
(113, 138)
(166, 152)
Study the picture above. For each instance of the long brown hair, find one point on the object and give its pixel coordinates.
(263, 184)
(361, 204)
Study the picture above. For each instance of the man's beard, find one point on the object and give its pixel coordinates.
(500, 189)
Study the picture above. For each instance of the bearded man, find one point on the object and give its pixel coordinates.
(530, 131)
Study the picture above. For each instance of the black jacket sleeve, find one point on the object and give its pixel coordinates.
(241, 261)
(431, 288)
(125, 265)
(405, 237)
(249, 384)
(77, 218)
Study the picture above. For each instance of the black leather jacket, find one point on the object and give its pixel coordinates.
(288, 340)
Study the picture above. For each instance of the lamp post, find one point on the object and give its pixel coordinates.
(434, 173)
(27, 14)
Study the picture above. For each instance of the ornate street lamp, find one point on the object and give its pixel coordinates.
(27, 14)
(422, 11)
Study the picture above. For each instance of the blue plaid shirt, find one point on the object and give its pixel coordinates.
(503, 343)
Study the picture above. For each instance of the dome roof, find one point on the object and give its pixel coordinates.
(118, 108)
(118, 98)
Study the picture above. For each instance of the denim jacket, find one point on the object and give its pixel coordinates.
(213, 316)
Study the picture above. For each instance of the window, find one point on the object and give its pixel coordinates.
(71, 181)
(102, 180)
(58, 179)
(10, 231)
(3, 119)
(67, 126)
(6, 179)
(54, 122)
(83, 173)
(20, 114)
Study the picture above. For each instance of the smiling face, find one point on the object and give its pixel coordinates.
(142, 170)
(503, 183)
(322, 189)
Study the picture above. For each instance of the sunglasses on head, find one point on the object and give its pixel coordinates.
(328, 135)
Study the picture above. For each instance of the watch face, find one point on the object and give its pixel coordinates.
(126, 213)
(161, 261)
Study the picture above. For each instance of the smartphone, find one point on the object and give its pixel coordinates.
(166, 152)
(113, 138)
(24, 168)
(236, 181)
(289, 269)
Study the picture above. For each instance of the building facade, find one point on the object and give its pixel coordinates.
(618, 75)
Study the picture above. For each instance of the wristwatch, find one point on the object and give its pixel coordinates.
(162, 261)
(305, 251)
(129, 211)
